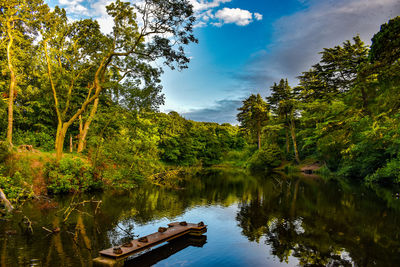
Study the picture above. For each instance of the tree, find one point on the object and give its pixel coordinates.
(253, 115)
(381, 75)
(148, 40)
(69, 51)
(17, 30)
(279, 94)
(336, 72)
(78, 54)
(283, 102)
(385, 47)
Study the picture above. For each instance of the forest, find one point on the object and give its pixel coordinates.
(80, 108)
(344, 112)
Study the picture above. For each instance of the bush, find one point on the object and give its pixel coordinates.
(37, 139)
(239, 158)
(5, 151)
(15, 188)
(71, 175)
(390, 173)
(265, 160)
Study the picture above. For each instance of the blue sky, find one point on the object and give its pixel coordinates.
(246, 45)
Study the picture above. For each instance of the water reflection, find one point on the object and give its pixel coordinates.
(253, 221)
(322, 224)
(161, 253)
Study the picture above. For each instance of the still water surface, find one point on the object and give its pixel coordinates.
(252, 221)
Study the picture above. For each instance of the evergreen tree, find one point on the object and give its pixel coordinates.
(253, 115)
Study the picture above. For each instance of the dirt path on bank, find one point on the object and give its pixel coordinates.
(39, 184)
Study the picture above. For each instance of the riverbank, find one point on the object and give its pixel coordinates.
(26, 174)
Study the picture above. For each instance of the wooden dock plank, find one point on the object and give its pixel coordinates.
(173, 231)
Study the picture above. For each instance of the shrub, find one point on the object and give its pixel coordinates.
(15, 188)
(390, 173)
(5, 151)
(37, 139)
(265, 160)
(71, 175)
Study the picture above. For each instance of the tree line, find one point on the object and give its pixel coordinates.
(344, 112)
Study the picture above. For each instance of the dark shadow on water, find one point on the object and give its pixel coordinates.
(161, 253)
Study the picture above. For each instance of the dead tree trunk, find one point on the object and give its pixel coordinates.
(6, 202)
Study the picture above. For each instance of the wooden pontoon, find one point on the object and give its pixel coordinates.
(111, 256)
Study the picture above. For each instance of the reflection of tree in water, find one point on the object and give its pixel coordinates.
(313, 221)
(321, 224)
(87, 231)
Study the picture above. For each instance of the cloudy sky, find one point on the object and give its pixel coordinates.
(247, 45)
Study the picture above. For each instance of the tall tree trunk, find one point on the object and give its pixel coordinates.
(60, 138)
(287, 134)
(83, 134)
(293, 132)
(364, 100)
(287, 140)
(259, 135)
(12, 89)
(98, 79)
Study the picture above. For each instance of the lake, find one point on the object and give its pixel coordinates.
(264, 220)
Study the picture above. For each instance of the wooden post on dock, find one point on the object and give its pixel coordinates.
(115, 256)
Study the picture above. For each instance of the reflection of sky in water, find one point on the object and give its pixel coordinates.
(225, 246)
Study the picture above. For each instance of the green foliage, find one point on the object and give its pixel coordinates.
(335, 73)
(253, 115)
(190, 143)
(388, 174)
(284, 103)
(265, 160)
(70, 175)
(385, 47)
(5, 151)
(41, 140)
(15, 188)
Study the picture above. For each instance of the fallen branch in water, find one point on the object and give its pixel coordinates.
(128, 233)
(28, 223)
(6, 202)
(73, 206)
(55, 231)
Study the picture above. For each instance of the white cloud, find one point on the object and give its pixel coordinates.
(234, 15)
(199, 5)
(74, 7)
(100, 13)
(200, 24)
(206, 15)
(258, 16)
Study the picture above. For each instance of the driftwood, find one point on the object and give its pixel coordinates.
(6, 202)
